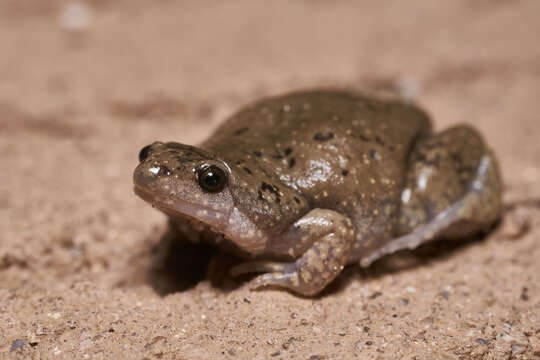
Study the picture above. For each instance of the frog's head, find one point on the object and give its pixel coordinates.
(184, 181)
(188, 182)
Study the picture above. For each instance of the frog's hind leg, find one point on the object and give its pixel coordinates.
(453, 189)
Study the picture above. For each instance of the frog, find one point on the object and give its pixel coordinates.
(297, 186)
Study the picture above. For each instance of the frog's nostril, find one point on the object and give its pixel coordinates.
(159, 170)
(146, 174)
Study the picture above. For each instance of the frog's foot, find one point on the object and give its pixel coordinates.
(307, 276)
(330, 237)
(278, 274)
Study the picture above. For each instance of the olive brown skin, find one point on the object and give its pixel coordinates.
(302, 184)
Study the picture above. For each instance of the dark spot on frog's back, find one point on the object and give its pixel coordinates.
(292, 161)
(247, 170)
(378, 140)
(272, 188)
(297, 200)
(319, 136)
(240, 131)
(277, 155)
(363, 138)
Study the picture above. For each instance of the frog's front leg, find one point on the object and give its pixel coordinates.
(325, 237)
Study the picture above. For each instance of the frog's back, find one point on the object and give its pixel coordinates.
(340, 150)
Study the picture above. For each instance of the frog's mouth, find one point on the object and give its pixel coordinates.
(200, 216)
(209, 223)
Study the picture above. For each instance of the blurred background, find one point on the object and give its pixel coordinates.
(85, 84)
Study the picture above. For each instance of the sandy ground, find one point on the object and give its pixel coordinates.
(83, 86)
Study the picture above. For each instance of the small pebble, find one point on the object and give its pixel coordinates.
(524, 295)
(408, 87)
(85, 344)
(481, 341)
(19, 345)
(75, 16)
(404, 301)
(410, 289)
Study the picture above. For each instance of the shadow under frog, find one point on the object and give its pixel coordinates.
(300, 185)
(181, 259)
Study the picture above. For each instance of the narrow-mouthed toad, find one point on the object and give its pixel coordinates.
(302, 184)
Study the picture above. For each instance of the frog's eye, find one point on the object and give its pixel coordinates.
(143, 154)
(211, 178)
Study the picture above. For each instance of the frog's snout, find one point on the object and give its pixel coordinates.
(147, 173)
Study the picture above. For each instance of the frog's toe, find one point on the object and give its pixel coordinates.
(285, 280)
(278, 279)
(281, 275)
(258, 267)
